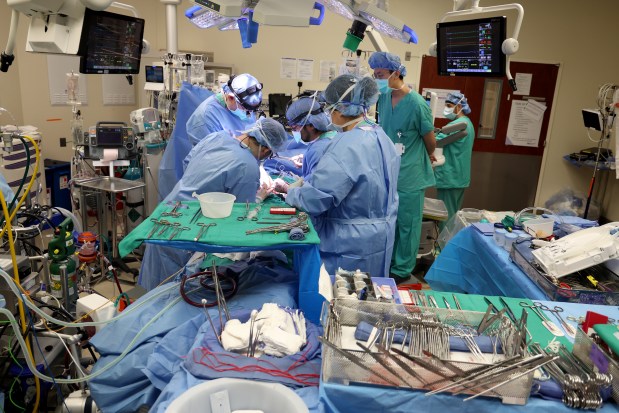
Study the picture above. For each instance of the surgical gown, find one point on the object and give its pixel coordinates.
(314, 152)
(212, 116)
(407, 123)
(218, 164)
(171, 165)
(455, 175)
(352, 194)
(7, 192)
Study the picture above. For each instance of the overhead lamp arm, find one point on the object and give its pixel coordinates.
(7, 57)
(377, 40)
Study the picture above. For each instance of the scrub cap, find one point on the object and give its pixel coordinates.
(389, 61)
(270, 133)
(351, 95)
(246, 89)
(297, 113)
(458, 98)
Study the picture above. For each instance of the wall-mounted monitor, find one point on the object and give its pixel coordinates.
(471, 47)
(110, 43)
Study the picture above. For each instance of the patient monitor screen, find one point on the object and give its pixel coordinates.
(111, 43)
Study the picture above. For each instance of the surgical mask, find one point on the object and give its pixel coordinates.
(449, 113)
(383, 85)
(340, 128)
(241, 114)
(297, 136)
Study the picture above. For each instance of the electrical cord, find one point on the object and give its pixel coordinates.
(27, 192)
(26, 170)
(7, 227)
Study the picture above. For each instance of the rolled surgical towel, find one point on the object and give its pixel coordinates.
(296, 234)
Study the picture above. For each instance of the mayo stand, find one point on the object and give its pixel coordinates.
(99, 186)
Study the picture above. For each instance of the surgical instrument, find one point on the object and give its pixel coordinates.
(221, 298)
(383, 364)
(355, 360)
(569, 329)
(581, 319)
(402, 365)
(210, 320)
(203, 229)
(166, 225)
(447, 305)
(535, 365)
(252, 320)
(458, 306)
(244, 217)
(174, 212)
(300, 222)
(508, 310)
(195, 216)
(432, 301)
(253, 214)
(177, 230)
(155, 227)
(537, 308)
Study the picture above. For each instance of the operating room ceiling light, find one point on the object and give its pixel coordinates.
(204, 19)
(343, 8)
(387, 24)
(368, 13)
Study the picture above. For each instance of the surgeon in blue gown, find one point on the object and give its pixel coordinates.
(7, 192)
(231, 110)
(352, 192)
(219, 163)
(309, 122)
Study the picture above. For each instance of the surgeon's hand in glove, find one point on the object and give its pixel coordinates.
(297, 160)
(296, 184)
(281, 186)
(264, 191)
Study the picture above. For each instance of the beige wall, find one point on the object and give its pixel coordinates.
(553, 31)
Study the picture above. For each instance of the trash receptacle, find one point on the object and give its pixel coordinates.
(57, 177)
(237, 394)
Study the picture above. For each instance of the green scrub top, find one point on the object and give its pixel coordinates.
(456, 171)
(411, 117)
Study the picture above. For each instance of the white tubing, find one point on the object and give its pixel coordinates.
(76, 223)
(11, 283)
(114, 362)
(10, 43)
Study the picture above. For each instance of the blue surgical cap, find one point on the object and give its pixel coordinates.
(351, 95)
(246, 90)
(389, 61)
(458, 98)
(298, 111)
(270, 133)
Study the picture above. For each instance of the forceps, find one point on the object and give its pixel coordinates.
(569, 329)
(244, 217)
(537, 308)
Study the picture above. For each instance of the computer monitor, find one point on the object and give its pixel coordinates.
(471, 47)
(278, 103)
(110, 43)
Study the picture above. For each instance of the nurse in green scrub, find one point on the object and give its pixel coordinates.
(454, 176)
(406, 118)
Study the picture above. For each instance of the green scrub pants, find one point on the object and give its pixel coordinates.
(452, 197)
(407, 233)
